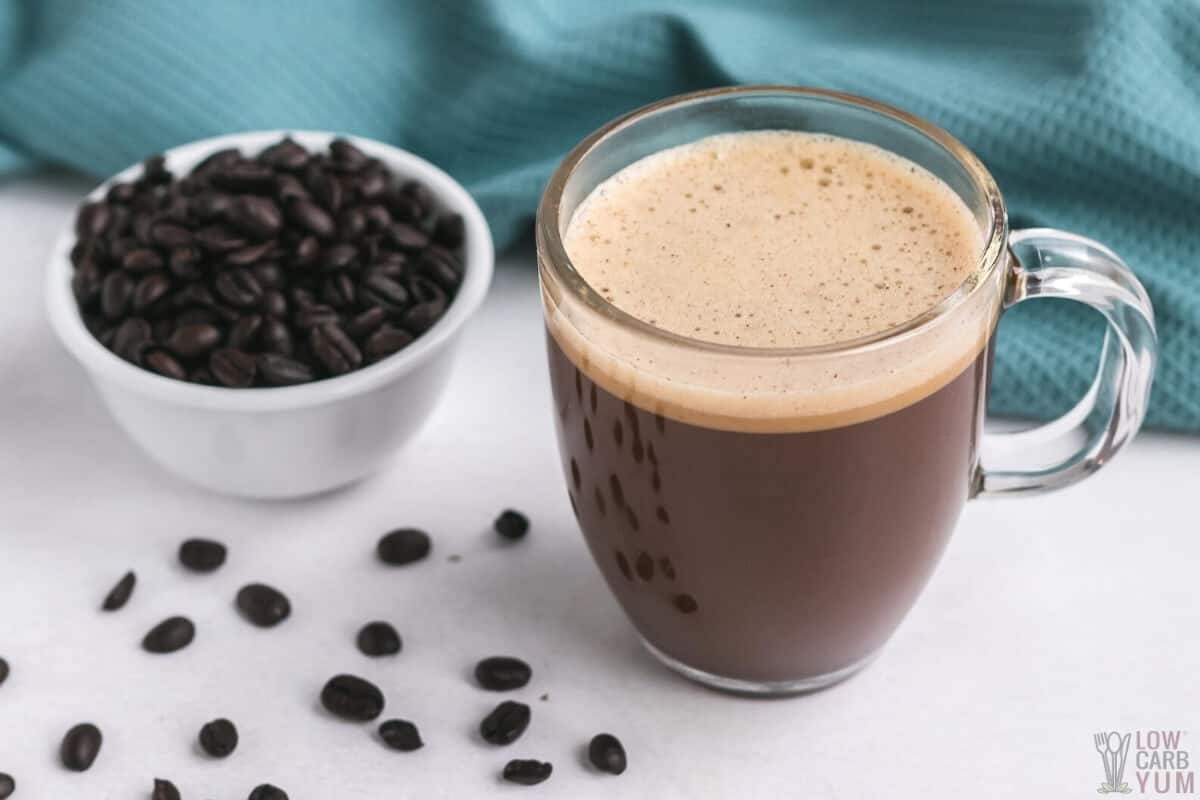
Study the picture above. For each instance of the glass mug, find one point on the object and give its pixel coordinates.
(757, 543)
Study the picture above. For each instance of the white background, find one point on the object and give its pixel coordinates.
(1049, 619)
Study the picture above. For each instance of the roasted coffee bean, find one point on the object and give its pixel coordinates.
(275, 337)
(233, 368)
(269, 275)
(422, 316)
(400, 734)
(245, 176)
(169, 235)
(173, 633)
(239, 288)
(372, 183)
(378, 639)
(314, 316)
(384, 292)
(352, 223)
(352, 698)
(4, 670)
(154, 170)
(449, 231)
(244, 333)
(263, 605)
(121, 193)
(365, 323)
(119, 595)
(193, 295)
(289, 187)
(202, 555)
(284, 154)
(311, 217)
(280, 370)
(131, 339)
(421, 195)
(511, 524)
(202, 375)
(8, 785)
(308, 251)
(192, 316)
(606, 754)
(219, 738)
(502, 673)
(92, 219)
(441, 268)
(336, 351)
(162, 329)
(184, 262)
(402, 207)
(407, 237)
(210, 206)
(193, 341)
(257, 217)
(149, 290)
(80, 747)
(339, 256)
(163, 363)
(86, 283)
(265, 791)
(141, 260)
(378, 218)
(250, 254)
(527, 772)
(347, 156)
(218, 159)
(506, 723)
(274, 303)
(403, 546)
(164, 790)
(325, 189)
(219, 239)
(115, 294)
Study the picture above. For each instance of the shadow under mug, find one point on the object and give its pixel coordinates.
(771, 541)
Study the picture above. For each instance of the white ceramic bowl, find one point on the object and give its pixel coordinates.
(288, 441)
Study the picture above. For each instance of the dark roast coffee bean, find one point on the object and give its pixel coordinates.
(219, 738)
(352, 223)
(420, 194)
(338, 257)
(266, 791)
(92, 219)
(170, 235)
(164, 790)
(511, 524)
(162, 329)
(372, 183)
(233, 368)
(400, 734)
(403, 546)
(209, 206)
(347, 156)
(502, 673)
(338, 290)
(119, 595)
(8, 785)
(307, 252)
(275, 337)
(366, 322)
(173, 633)
(141, 260)
(245, 177)
(149, 290)
(194, 295)
(284, 154)
(378, 217)
(407, 237)
(385, 341)
(274, 303)
(193, 341)
(263, 605)
(378, 639)
(244, 333)
(255, 216)
(115, 294)
(449, 231)
(325, 189)
(312, 218)
(131, 339)
(160, 361)
(441, 268)
(4, 670)
(422, 316)
(289, 187)
(384, 292)
(314, 316)
(219, 239)
(251, 254)
(270, 276)
(606, 753)
(336, 351)
(202, 555)
(280, 370)
(352, 698)
(86, 283)
(506, 723)
(154, 170)
(238, 287)
(80, 747)
(202, 375)
(402, 207)
(527, 772)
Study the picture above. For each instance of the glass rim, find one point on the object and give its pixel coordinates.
(552, 252)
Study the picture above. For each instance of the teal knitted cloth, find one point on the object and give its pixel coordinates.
(1087, 111)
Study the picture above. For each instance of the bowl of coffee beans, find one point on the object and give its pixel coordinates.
(271, 314)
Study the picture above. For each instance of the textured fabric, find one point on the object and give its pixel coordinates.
(1086, 111)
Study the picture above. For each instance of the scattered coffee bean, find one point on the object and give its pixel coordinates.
(502, 673)
(214, 277)
(266, 791)
(3, 671)
(606, 753)
(506, 723)
(511, 524)
(378, 639)
(219, 738)
(400, 734)
(8, 785)
(202, 555)
(403, 546)
(173, 633)
(80, 747)
(527, 772)
(263, 605)
(164, 790)
(352, 698)
(119, 595)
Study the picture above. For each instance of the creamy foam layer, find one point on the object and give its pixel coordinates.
(775, 239)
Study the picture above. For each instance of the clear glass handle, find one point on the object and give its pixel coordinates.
(1052, 263)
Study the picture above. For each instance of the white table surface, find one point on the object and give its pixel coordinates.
(1049, 618)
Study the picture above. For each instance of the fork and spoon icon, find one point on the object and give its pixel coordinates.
(1114, 750)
